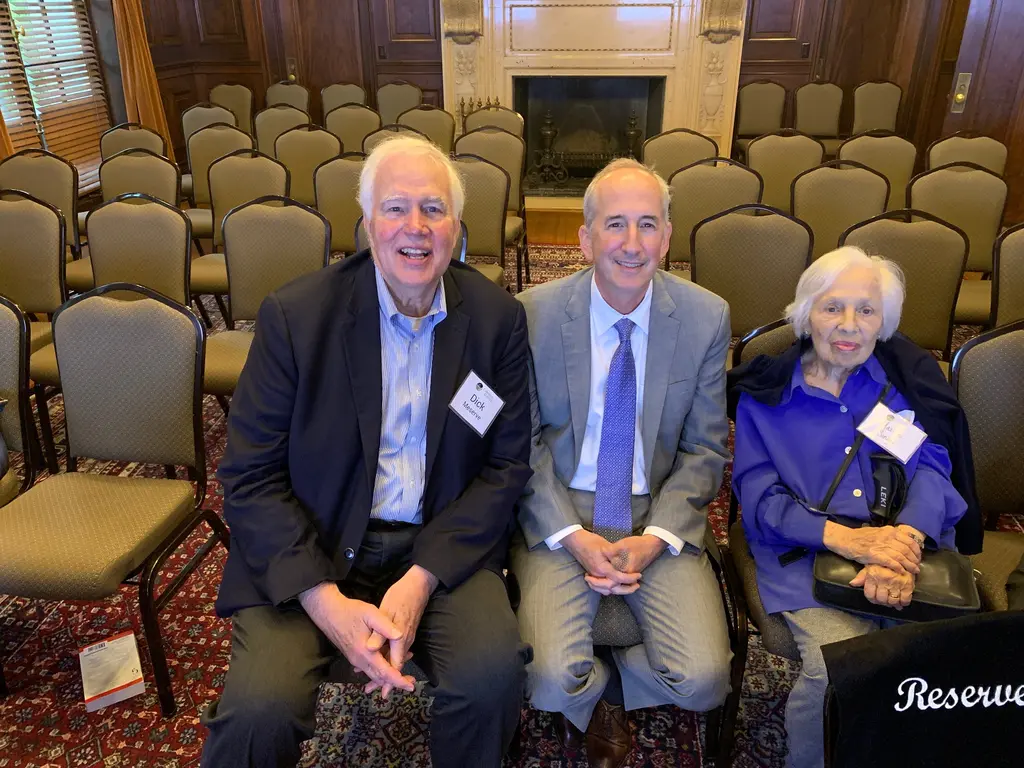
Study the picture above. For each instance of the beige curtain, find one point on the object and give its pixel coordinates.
(6, 148)
(141, 89)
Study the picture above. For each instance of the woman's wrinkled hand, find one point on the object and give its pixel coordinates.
(886, 546)
(885, 587)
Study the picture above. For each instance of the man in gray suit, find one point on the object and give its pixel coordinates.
(627, 388)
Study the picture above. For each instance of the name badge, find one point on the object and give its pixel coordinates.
(893, 432)
(476, 404)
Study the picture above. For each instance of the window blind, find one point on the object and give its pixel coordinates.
(51, 89)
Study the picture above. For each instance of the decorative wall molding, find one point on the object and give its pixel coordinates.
(684, 41)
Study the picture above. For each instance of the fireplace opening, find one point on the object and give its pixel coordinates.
(577, 125)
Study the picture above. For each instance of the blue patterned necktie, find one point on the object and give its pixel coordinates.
(613, 517)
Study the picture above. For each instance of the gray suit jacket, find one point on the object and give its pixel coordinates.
(684, 426)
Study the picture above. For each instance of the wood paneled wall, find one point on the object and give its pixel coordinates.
(849, 42)
(197, 44)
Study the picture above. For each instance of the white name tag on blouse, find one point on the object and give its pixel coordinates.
(893, 432)
(476, 404)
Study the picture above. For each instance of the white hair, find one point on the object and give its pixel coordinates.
(622, 164)
(820, 276)
(407, 146)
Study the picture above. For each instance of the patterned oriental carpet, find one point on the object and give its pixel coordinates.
(43, 723)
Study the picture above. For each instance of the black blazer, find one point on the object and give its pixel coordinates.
(304, 434)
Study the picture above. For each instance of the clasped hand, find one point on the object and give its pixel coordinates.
(885, 587)
(897, 548)
(361, 630)
(613, 568)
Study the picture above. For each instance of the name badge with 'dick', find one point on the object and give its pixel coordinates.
(893, 432)
(476, 404)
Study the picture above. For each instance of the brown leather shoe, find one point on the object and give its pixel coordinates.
(608, 737)
(569, 736)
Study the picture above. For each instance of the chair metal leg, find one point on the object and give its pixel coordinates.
(526, 256)
(519, 267)
(198, 300)
(4, 691)
(151, 627)
(171, 471)
(49, 448)
(225, 404)
(740, 638)
(228, 322)
(199, 245)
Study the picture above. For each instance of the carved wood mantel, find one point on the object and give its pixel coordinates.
(695, 44)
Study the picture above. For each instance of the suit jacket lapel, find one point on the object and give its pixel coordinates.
(576, 353)
(446, 372)
(362, 343)
(661, 346)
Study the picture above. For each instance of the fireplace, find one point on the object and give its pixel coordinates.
(576, 125)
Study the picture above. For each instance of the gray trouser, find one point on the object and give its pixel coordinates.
(684, 658)
(813, 628)
(467, 644)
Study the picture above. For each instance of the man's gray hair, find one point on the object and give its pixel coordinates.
(408, 146)
(622, 164)
(820, 276)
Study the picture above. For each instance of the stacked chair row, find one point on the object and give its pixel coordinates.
(817, 107)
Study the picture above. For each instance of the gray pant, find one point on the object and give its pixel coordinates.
(467, 644)
(813, 628)
(684, 658)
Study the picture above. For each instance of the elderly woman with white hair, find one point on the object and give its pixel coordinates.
(796, 421)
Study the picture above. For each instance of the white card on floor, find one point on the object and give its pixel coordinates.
(111, 671)
(476, 404)
(893, 432)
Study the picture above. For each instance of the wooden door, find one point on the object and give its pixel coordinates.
(991, 51)
(782, 41)
(406, 40)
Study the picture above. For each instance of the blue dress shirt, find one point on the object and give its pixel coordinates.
(407, 349)
(604, 340)
(785, 459)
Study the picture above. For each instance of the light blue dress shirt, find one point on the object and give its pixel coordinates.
(407, 349)
(604, 340)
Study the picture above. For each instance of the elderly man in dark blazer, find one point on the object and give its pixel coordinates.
(377, 445)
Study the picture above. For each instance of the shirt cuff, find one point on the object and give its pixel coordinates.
(554, 538)
(675, 544)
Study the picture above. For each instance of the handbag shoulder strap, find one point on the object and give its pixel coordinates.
(857, 443)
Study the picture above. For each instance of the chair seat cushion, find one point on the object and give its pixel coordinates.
(78, 275)
(493, 272)
(1000, 556)
(974, 305)
(78, 536)
(775, 632)
(226, 353)
(187, 185)
(678, 271)
(39, 335)
(42, 366)
(82, 216)
(9, 485)
(614, 625)
(209, 274)
(513, 229)
(202, 221)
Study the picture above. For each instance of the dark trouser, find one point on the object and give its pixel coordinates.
(467, 644)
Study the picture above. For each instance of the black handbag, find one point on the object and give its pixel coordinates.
(945, 587)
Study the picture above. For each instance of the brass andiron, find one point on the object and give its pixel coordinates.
(547, 165)
(632, 134)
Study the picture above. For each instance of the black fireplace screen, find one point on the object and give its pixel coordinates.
(576, 125)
